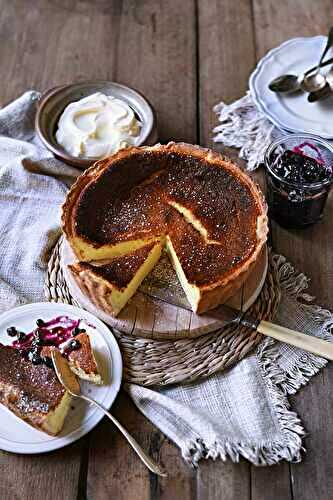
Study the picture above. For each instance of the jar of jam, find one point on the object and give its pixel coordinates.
(299, 176)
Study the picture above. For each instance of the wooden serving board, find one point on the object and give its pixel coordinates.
(148, 317)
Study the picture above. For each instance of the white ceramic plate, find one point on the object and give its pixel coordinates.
(292, 112)
(18, 436)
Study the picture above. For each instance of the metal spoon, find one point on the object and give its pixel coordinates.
(329, 78)
(69, 381)
(326, 91)
(291, 83)
(317, 81)
(313, 83)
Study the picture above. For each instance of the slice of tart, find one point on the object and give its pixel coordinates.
(32, 392)
(110, 284)
(80, 356)
(204, 269)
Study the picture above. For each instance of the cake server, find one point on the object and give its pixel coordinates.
(70, 382)
(227, 316)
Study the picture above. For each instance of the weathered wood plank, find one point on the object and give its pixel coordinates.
(181, 480)
(271, 483)
(148, 45)
(311, 251)
(154, 51)
(313, 477)
(39, 476)
(45, 43)
(114, 470)
(217, 480)
(226, 56)
(276, 22)
(156, 54)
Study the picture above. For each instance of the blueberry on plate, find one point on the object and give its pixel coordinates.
(21, 336)
(74, 345)
(77, 331)
(47, 361)
(11, 331)
(34, 356)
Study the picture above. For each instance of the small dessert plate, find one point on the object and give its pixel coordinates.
(18, 436)
(292, 112)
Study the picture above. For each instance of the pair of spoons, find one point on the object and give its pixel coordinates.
(312, 81)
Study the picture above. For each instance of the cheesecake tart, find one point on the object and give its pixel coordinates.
(210, 217)
(32, 392)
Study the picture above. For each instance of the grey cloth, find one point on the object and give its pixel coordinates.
(241, 412)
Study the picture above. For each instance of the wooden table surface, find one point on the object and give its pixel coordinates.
(185, 55)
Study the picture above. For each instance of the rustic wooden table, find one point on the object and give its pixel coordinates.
(185, 55)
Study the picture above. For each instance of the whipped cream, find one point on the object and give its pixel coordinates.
(97, 126)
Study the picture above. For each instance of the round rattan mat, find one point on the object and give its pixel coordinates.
(160, 362)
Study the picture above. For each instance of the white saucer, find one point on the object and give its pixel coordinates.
(292, 112)
(18, 436)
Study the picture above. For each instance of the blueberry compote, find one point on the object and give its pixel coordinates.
(58, 332)
(297, 186)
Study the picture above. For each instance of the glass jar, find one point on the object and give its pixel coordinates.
(294, 198)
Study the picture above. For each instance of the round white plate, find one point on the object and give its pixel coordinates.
(292, 112)
(18, 436)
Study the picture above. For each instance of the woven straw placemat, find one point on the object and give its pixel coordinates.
(160, 362)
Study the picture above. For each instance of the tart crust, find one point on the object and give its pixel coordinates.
(209, 214)
(110, 284)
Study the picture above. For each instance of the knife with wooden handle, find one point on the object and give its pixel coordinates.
(227, 315)
(304, 341)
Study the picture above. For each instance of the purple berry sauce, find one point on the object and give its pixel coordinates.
(298, 191)
(48, 333)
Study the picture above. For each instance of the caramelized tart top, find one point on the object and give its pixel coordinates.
(134, 194)
(34, 388)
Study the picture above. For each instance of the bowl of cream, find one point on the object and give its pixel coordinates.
(88, 121)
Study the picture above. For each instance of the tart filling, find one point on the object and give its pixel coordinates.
(32, 392)
(206, 212)
(112, 283)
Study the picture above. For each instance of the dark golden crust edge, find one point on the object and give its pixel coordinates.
(96, 288)
(93, 172)
(217, 292)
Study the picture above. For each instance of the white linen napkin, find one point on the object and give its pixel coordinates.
(243, 126)
(243, 411)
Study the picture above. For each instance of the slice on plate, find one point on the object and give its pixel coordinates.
(81, 360)
(32, 392)
(110, 284)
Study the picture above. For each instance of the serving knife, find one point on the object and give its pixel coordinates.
(226, 315)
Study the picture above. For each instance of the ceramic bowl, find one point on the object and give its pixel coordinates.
(53, 102)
